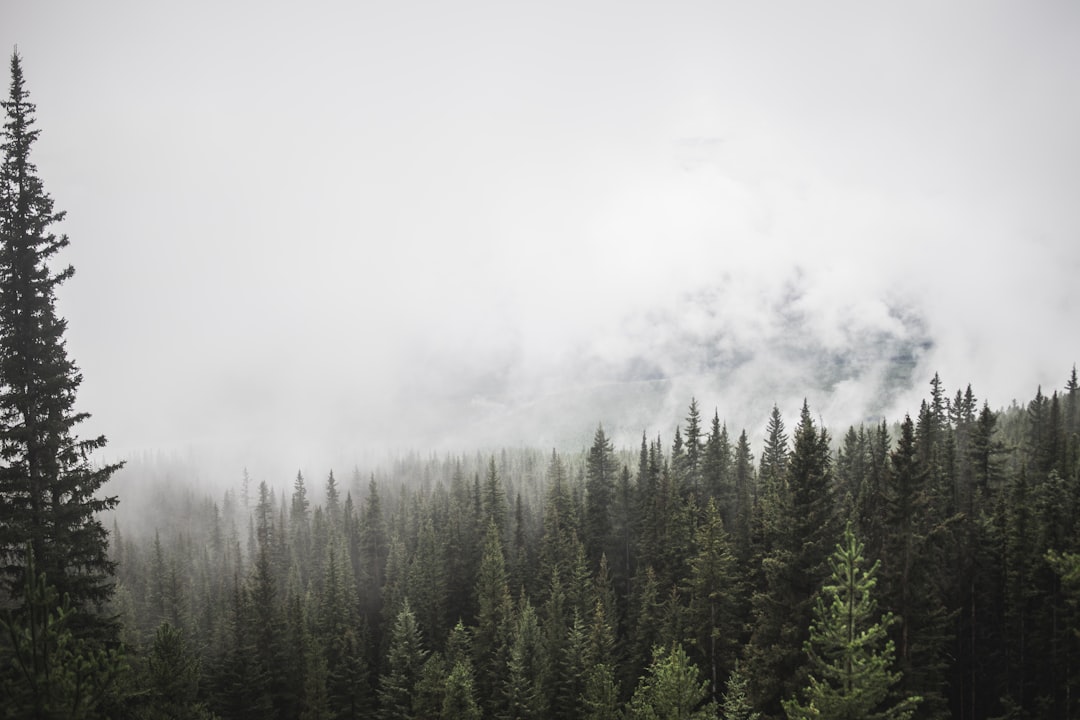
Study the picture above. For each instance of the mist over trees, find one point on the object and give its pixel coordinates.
(924, 567)
(59, 650)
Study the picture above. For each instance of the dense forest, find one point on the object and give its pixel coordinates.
(682, 580)
(926, 567)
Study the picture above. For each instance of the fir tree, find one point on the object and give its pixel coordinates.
(47, 482)
(716, 471)
(850, 654)
(46, 671)
(173, 675)
(404, 660)
(490, 638)
(736, 702)
(526, 697)
(694, 448)
(801, 530)
(600, 478)
(671, 690)
(459, 698)
(712, 587)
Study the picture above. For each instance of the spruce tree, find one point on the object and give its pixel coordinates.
(801, 531)
(694, 449)
(713, 588)
(48, 486)
(459, 698)
(490, 636)
(850, 654)
(671, 690)
(404, 660)
(45, 670)
(600, 478)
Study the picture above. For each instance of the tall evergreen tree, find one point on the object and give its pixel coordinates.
(910, 589)
(600, 477)
(493, 500)
(491, 635)
(404, 660)
(694, 448)
(744, 497)
(671, 690)
(716, 471)
(713, 591)
(48, 485)
(793, 566)
(850, 654)
(46, 671)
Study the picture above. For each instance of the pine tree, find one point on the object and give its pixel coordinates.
(774, 456)
(404, 660)
(712, 587)
(850, 654)
(47, 483)
(173, 674)
(459, 698)
(908, 586)
(716, 471)
(524, 689)
(600, 478)
(801, 531)
(671, 690)
(493, 499)
(45, 670)
(736, 703)
(744, 497)
(374, 548)
(694, 449)
(490, 638)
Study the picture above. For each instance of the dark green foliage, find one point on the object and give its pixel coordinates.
(173, 675)
(691, 469)
(493, 500)
(459, 699)
(600, 478)
(716, 472)
(526, 696)
(850, 654)
(713, 590)
(736, 703)
(491, 635)
(973, 547)
(909, 589)
(46, 671)
(671, 690)
(404, 661)
(799, 531)
(48, 486)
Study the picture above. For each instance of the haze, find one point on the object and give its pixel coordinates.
(308, 231)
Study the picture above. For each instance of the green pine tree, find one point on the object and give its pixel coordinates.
(48, 486)
(490, 637)
(601, 474)
(713, 589)
(736, 702)
(671, 690)
(46, 671)
(459, 699)
(173, 674)
(404, 660)
(851, 657)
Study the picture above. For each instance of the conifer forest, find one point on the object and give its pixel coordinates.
(923, 566)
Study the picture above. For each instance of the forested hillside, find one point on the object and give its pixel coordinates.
(680, 580)
(919, 567)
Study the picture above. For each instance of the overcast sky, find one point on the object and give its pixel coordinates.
(304, 229)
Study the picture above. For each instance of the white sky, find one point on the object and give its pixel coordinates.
(303, 229)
